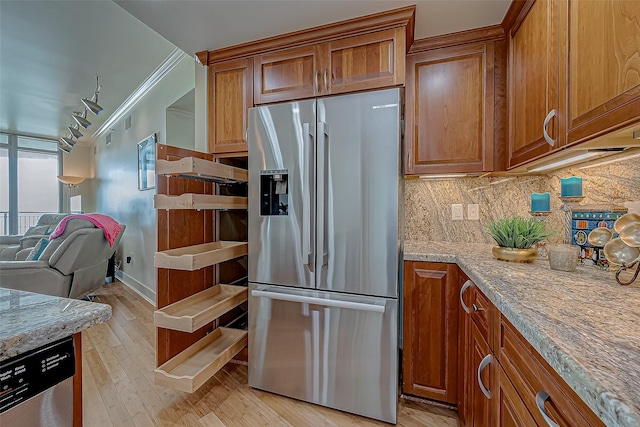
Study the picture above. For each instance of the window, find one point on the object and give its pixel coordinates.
(28, 181)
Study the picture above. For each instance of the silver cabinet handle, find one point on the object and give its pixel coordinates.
(317, 81)
(466, 286)
(477, 308)
(542, 397)
(326, 80)
(483, 364)
(319, 301)
(547, 119)
(307, 214)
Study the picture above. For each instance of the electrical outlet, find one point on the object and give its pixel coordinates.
(473, 212)
(457, 212)
(130, 258)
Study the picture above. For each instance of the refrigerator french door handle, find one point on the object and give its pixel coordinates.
(307, 178)
(323, 143)
(318, 301)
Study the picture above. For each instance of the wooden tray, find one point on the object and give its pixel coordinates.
(192, 313)
(190, 369)
(193, 167)
(199, 201)
(195, 257)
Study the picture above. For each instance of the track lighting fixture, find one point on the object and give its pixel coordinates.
(81, 120)
(64, 148)
(67, 143)
(75, 131)
(92, 104)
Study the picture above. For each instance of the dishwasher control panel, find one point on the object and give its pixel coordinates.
(30, 373)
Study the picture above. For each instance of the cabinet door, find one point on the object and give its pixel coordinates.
(287, 75)
(364, 62)
(533, 81)
(464, 348)
(450, 105)
(430, 331)
(604, 66)
(230, 97)
(509, 410)
(480, 409)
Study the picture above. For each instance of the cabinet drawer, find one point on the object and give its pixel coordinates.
(531, 376)
(481, 312)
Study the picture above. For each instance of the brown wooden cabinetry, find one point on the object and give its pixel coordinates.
(430, 331)
(230, 97)
(450, 103)
(475, 356)
(604, 70)
(534, 380)
(509, 409)
(350, 64)
(533, 82)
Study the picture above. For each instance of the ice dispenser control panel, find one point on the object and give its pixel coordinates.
(274, 192)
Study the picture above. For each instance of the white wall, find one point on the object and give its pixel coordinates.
(116, 180)
(181, 130)
(81, 162)
(202, 108)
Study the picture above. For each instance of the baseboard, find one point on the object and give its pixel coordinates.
(137, 287)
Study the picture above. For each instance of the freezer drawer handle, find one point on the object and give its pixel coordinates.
(319, 301)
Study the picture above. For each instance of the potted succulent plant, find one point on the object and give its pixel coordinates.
(516, 237)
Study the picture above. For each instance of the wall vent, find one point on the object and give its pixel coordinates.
(108, 138)
(127, 122)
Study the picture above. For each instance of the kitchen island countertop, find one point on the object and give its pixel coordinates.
(583, 323)
(29, 320)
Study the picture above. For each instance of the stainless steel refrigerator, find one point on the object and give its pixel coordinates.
(325, 246)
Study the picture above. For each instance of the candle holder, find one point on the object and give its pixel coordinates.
(568, 204)
(541, 246)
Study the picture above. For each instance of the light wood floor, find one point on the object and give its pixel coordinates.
(118, 388)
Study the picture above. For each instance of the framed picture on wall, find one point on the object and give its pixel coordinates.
(147, 163)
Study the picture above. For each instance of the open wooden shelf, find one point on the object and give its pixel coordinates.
(190, 369)
(199, 201)
(207, 170)
(192, 313)
(195, 257)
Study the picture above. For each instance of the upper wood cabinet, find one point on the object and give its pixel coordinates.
(533, 82)
(430, 331)
(363, 62)
(604, 66)
(230, 97)
(450, 102)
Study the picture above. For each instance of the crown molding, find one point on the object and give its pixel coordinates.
(483, 34)
(150, 82)
(178, 112)
(404, 16)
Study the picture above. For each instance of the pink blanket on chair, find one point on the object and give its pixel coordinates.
(109, 226)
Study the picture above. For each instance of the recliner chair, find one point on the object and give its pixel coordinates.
(11, 245)
(72, 266)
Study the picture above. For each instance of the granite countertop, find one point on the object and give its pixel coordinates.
(29, 320)
(583, 323)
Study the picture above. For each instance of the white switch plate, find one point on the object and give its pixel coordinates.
(473, 212)
(457, 212)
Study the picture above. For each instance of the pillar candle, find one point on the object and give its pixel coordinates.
(540, 202)
(571, 187)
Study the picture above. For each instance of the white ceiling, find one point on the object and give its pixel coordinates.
(200, 25)
(51, 51)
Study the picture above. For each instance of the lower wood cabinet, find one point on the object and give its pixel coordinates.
(430, 331)
(509, 409)
(459, 349)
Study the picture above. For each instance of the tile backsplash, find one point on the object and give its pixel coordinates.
(428, 202)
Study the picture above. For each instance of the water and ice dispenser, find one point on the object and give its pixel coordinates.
(274, 192)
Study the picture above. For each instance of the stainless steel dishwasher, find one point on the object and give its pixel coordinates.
(36, 387)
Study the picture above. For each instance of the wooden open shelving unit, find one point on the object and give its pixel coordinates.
(199, 201)
(191, 345)
(194, 312)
